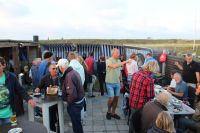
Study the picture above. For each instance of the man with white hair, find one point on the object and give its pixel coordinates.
(152, 109)
(73, 93)
(181, 90)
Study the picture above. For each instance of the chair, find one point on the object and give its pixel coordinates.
(191, 96)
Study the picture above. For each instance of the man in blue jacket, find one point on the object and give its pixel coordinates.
(9, 88)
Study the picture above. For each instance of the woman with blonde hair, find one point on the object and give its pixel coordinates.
(164, 124)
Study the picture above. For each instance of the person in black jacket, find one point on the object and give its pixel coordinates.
(9, 89)
(101, 69)
(50, 80)
(73, 93)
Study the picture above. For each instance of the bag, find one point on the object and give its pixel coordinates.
(163, 58)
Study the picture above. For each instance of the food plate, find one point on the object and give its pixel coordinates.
(176, 110)
(15, 130)
(36, 94)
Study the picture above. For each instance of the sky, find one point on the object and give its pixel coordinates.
(100, 19)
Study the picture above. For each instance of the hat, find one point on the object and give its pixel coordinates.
(48, 55)
(62, 62)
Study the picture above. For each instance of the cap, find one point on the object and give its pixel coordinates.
(62, 62)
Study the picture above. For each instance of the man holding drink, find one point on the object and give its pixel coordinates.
(9, 85)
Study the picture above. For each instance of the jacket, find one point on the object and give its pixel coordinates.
(46, 81)
(15, 89)
(79, 68)
(72, 86)
(155, 129)
(149, 114)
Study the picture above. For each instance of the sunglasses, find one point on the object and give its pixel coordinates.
(54, 68)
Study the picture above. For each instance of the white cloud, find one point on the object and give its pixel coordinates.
(98, 19)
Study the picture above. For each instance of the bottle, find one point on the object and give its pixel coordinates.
(43, 94)
(59, 91)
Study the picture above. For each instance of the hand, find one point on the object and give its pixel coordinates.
(176, 63)
(169, 90)
(32, 103)
(37, 90)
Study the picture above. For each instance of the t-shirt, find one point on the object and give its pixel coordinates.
(189, 72)
(112, 74)
(131, 67)
(172, 83)
(182, 88)
(5, 109)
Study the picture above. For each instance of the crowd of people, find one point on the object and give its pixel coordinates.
(76, 74)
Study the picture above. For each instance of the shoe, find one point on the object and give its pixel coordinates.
(92, 96)
(115, 116)
(108, 116)
(37, 116)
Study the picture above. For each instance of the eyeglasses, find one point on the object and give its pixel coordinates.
(54, 68)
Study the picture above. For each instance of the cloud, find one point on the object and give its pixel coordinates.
(98, 19)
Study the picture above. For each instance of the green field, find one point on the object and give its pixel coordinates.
(175, 45)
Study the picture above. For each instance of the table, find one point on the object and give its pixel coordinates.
(45, 104)
(186, 110)
(27, 127)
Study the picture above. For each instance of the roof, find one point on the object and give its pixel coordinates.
(15, 43)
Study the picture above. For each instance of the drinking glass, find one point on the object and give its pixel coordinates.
(13, 120)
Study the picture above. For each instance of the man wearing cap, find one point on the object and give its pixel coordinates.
(73, 93)
(43, 67)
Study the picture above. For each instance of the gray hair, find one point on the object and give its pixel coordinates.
(178, 74)
(163, 98)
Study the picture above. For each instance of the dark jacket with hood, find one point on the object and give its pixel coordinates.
(15, 90)
(155, 129)
(149, 114)
(72, 86)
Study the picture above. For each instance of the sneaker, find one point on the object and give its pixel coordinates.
(116, 116)
(108, 116)
(92, 96)
(37, 116)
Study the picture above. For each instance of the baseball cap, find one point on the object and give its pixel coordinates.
(62, 62)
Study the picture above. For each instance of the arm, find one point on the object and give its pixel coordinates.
(150, 90)
(178, 94)
(23, 93)
(41, 85)
(197, 76)
(113, 66)
(178, 65)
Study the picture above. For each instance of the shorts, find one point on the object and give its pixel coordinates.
(113, 89)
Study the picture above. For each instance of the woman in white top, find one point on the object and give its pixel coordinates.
(131, 67)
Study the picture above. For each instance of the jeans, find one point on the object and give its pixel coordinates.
(90, 85)
(4, 121)
(74, 111)
(185, 123)
(113, 89)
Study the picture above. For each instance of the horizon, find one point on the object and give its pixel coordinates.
(100, 19)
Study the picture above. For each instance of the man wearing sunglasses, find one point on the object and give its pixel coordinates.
(50, 80)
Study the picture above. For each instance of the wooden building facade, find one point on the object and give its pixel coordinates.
(19, 52)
